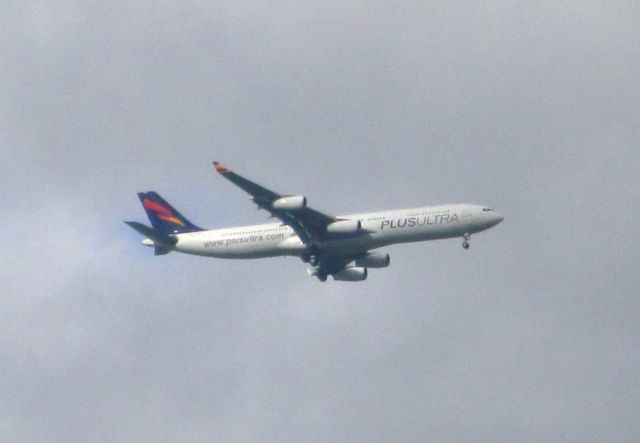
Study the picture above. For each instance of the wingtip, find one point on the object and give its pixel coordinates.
(219, 168)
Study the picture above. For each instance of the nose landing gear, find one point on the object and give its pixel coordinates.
(465, 243)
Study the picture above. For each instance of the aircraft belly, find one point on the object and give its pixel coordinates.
(386, 237)
(357, 244)
(430, 233)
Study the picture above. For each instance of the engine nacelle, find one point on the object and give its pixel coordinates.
(290, 203)
(344, 227)
(373, 260)
(352, 273)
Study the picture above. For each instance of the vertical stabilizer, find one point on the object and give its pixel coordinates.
(164, 218)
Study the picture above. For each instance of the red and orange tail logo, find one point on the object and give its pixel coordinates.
(161, 211)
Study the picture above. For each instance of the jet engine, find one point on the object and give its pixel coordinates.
(374, 260)
(344, 227)
(351, 273)
(290, 203)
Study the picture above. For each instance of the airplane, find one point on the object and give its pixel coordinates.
(337, 246)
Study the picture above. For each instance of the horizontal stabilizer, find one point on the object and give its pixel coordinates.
(159, 239)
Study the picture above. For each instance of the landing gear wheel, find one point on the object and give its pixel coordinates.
(312, 255)
(322, 277)
(465, 244)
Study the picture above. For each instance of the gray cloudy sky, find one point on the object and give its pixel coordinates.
(531, 107)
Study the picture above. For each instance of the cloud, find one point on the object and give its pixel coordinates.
(530, 335)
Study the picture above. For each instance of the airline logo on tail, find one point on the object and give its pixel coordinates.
(161, 211)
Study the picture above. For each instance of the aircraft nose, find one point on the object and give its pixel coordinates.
(499, 217)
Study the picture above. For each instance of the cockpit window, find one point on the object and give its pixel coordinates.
(487, 210)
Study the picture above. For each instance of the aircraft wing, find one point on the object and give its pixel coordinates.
(310, 225)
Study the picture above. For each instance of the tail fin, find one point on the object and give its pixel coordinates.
(164, 218)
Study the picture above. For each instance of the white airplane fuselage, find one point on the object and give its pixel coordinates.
(378, 229)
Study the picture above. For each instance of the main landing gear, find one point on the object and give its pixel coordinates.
(318, 272)
(465, 243)
(312, 256)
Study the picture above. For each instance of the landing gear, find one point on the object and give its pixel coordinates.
(311, 255)
(314, 257)
(320, 273)
(465, 243)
